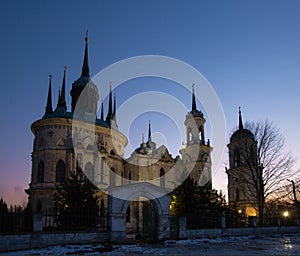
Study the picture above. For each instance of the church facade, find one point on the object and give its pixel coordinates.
(97, 145)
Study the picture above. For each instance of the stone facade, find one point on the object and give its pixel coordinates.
(64, 139)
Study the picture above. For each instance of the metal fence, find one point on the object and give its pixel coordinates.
(81, 221)
(15, 222)
(203, 222)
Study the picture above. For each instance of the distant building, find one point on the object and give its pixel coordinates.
(242, 161)
(100, 145)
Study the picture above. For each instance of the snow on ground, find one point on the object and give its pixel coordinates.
(245, 245)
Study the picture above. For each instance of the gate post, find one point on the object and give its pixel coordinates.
(38, 222)
(163, 228)
(223, 221)
(116, 220)
(182, 234)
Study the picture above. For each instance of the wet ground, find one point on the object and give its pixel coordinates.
(271, 245)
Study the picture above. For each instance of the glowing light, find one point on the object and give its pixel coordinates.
(239, 211)
(286, 214)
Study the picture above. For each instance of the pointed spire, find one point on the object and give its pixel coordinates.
(240, 120)
(194, 107)
(59, 99)
(143, 140)
(85, 66)
(49, 109)
(109, 113)
(63, 90)
(102, 111)
(62, 97)
(149, 133)
(115, 107)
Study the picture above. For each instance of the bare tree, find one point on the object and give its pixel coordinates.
(268, 164)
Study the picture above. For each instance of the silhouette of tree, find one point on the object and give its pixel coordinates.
(269, 167)
(76, 202)
(3, 215)
(190, 199)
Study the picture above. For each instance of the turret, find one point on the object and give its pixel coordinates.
(88, 100)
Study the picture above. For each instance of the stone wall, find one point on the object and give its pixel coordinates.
(41, 240)
(218, 232)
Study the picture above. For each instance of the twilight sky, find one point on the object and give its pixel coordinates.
(249, 51)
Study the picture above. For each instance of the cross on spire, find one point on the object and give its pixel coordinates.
(149, 133)
(240, 120)
(194, 107)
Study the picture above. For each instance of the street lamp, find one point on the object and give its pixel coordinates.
(285, 215)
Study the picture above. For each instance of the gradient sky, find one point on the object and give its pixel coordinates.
(248, 50)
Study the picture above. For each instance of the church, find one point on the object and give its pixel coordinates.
(65, 137)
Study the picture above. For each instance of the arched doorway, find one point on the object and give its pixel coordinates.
(141, 221)
(152, 220)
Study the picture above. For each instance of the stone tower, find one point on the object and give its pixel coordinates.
(242, 159)
(59, 144)
(196, 154)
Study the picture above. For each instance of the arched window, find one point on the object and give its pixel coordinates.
(60, 171)
(202, 138)
(190, 137)
(128, 214)
(237, 195)
(89, 171)
(112, 177)
(236, 158)
(162, 177)
(41, 172)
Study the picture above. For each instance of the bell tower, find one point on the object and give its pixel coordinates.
(196, 154)
(242, 170)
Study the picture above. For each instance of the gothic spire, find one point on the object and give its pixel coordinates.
(102, 111)
(85, 67)
(149, 133)
(62, 98)
(240, 120)
(109, 113)
(194, 107)
(115, 107)
(59, 99)
(49, 109)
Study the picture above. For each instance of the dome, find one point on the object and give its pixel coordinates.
(84, 81)
(241, 133)
(143, 149)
